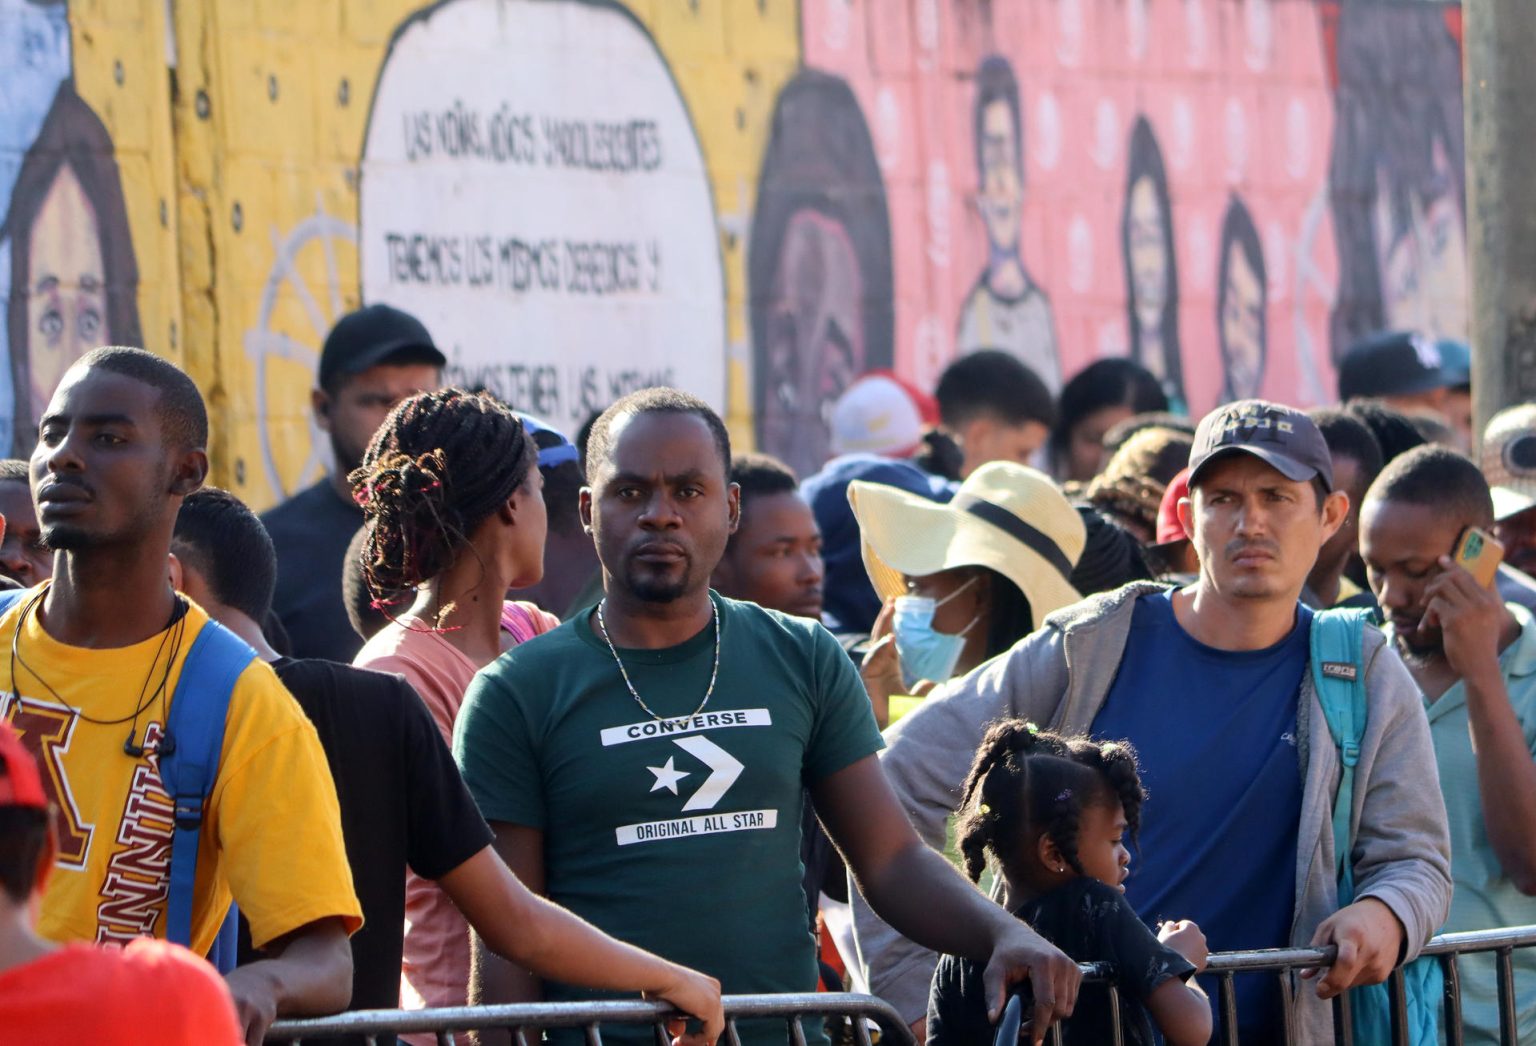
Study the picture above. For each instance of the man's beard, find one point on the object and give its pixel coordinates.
(651, 589)
(61, 537)
(1419, 655)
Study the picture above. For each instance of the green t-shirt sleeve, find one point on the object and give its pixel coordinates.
(845, 730)
(493, 746)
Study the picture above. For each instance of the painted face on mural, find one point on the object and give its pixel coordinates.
(1423, 256)
(67, 304)
(1149, 257)
(1002, 183)
(815, 338)
(1242, 325)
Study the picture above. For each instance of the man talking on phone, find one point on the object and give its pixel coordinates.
(1431, 562)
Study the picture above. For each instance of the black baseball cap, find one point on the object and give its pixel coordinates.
(1398, 363)
(373, 335)
(1284, 438)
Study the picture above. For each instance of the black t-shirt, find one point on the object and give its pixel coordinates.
(310, 532)
(1091, 922)
(402, 803)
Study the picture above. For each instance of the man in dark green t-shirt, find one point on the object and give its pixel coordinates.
(643, 764)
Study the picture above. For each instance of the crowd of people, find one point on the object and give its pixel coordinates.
(494, 713)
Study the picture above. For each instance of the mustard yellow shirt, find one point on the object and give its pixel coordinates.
(271, 831)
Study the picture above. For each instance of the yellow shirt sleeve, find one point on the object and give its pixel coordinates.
(274, 820)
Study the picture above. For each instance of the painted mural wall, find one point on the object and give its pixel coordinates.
(754, 199)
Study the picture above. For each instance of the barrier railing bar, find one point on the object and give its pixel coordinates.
(1344, 1021)
(861, 1032)
(796, 1032)
(1114, 1015)
(1226, 998)
(1509, 1031)
(565, 1015)
(1452, 1000)
(1287, 1022)
(1397, 1004)
(593, 1036)
(894, 1032)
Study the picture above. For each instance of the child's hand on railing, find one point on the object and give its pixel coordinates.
(1187, 939)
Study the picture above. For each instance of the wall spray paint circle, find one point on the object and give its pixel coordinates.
(1182, 151)
(1069, 31)
(505, 188)
(1106, 134)
(1196, 34)
(1236, 132)
(888, 129)
(1080, 254)
(1258, 35)
(1136, 31)
(1046, 149)
(1298, 139)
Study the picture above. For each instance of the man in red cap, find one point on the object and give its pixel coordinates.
(1172, 551)
(79, 992)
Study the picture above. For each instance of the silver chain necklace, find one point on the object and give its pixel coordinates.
(713, 675)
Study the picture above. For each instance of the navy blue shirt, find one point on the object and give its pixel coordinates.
(1216, 734)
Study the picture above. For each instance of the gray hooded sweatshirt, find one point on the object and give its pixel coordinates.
(1059, 677)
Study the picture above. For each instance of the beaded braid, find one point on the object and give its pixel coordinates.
(1026, 782)
(995, 791)
(1116, 762)
(439, 466)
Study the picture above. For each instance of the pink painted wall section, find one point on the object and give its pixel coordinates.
(1238, 95)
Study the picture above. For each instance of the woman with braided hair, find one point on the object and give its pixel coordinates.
(1054, 812)
(453, 518)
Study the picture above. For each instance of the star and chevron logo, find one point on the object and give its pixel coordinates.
(724, 769)
(700, 796)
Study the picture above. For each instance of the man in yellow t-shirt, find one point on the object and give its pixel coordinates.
(91, 662)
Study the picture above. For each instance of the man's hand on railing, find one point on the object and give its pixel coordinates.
(1369, 940)
(697, 995)
(1053, 978)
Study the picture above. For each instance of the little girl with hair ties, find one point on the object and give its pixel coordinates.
(1054, 812)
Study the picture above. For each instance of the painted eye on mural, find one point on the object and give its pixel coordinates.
(88, 326)
(50, 325)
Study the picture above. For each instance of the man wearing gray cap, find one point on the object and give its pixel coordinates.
(372, 359)
(1211, 684)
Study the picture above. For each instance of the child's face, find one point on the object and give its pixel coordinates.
(1101, 844)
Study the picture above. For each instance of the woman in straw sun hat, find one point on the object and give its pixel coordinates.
(962, 581)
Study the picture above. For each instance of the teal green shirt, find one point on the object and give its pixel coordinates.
(1484, 897)
(679, 835)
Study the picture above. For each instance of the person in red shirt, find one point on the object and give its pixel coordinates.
(79, 992)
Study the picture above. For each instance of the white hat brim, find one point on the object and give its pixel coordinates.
(907, 535)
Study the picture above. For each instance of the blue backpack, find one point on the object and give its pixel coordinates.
(1338, 673)
(189, 767)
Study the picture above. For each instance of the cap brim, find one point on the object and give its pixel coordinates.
(906, 535)
(1509, 502)
(1288, 467)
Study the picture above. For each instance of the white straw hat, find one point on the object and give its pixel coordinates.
(1007, 517)
(1509, 459)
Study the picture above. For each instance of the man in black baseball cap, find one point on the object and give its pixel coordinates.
(1285, 439)
(372, 359)
(1412, 372)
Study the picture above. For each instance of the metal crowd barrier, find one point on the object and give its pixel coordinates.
(861, 1010)
(522, 1018)
(1283, 962)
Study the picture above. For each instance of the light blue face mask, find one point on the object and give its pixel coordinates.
(924, 652)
